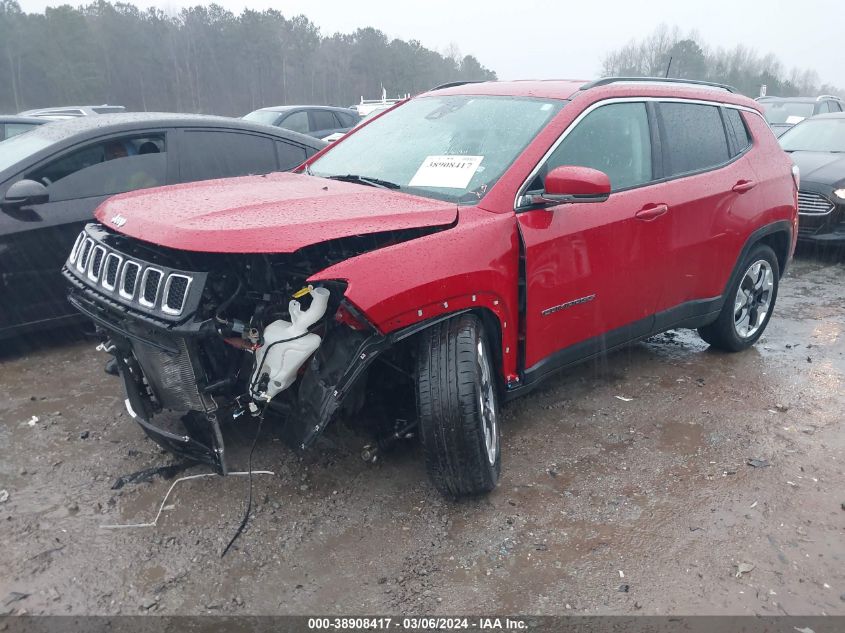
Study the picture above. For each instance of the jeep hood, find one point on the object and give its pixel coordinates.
(277, 213)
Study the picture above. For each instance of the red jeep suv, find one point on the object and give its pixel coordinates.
(439, 260)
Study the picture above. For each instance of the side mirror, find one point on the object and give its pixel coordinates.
(570, 183)
(24, 193)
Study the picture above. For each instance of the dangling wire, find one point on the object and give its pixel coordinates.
(249, 471)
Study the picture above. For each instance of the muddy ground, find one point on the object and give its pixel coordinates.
(626, 488)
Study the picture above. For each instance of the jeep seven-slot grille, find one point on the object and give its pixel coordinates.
(134, 281)
(813, 204)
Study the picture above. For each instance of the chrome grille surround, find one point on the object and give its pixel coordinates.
(130, 270)
(811, 203)
(110, 282)
(146, 296)
(97, 256)
(155, 289)
(173, 302)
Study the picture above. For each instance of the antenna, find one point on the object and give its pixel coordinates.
(668, 66)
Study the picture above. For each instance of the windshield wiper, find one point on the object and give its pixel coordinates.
(366, 180)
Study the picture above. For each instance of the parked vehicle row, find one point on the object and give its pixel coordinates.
(784, 112)
(442, 259)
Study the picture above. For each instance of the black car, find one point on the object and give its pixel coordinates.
(784, 112)
(12, 125)
(317, 121)
(817, 146)
(53, 178)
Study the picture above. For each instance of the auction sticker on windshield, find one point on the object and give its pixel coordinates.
(453, 172)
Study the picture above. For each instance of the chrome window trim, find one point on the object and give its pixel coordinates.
(91, 259)
(164, 307)
(121, 285)
(147, 271)
(104, 279)
(533, 174)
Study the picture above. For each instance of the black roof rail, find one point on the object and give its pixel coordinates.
(452, 84)
(604, 81)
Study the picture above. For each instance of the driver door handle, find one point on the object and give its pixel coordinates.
(744, 185)
(651, 212)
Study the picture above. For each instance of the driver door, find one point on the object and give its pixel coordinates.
(594, 271)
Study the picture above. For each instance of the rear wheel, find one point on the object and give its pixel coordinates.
(458, 409)
(748, 305)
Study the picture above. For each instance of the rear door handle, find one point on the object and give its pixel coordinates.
(744, 185)
(651, 212)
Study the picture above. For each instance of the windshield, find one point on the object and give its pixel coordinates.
(814, 135)
(267, 117)
(18, 148)
(449, 147)
(790, 112)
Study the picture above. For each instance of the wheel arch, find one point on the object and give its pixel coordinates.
(777, 235)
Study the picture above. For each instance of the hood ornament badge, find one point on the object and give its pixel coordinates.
(118, 220)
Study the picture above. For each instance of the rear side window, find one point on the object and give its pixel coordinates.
(206, 154)
(694, 137)
(347, 119)
(614, 139)
(738, 135)
(323, 120)
(298, 122)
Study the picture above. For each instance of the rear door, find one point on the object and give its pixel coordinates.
(710, 184)
(37, 244)
(594, 271)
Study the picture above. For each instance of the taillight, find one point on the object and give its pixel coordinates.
(796, 176)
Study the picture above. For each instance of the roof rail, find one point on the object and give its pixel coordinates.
(453, 84)
(604, 81)
(820, 97)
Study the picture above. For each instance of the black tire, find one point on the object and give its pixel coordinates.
(451, 392)
(724, 333)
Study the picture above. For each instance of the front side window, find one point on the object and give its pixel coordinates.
(105, 167)
(614, 139)
(695, 137)
(446, 147)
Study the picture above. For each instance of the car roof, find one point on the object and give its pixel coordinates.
(287, 108)
(797, 99)
(604, 89)
(15, 118)
(83, 127)
(828, 115)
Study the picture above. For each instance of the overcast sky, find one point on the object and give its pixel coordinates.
(568, 39)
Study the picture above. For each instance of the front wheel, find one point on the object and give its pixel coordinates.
(458, 408)
(748, 305)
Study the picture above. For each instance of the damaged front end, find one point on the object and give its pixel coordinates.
(205, 338)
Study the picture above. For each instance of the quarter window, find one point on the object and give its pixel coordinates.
(737, 132)
(614, 139)
(695, 137)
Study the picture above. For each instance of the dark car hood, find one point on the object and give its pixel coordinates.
(824, 168)
(278, 213)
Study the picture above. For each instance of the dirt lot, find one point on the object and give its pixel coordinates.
(606, 505)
